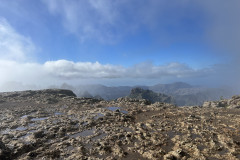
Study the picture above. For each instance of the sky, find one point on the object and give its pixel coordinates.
(119, 42)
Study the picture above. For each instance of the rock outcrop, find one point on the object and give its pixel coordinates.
(5, 152)
(139, 93)
(234, 102)
(30, 93)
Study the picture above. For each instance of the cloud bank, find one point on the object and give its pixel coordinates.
(62, 71)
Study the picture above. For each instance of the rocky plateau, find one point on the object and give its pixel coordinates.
(55, 124)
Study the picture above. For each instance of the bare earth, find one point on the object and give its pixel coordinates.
(52, 124)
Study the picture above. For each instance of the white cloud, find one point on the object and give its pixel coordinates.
(14, 46)
(70, 70)
(56, 72)
(108, 21)
(30, 73)
(88, 19)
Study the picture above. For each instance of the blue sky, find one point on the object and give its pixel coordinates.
(118, 41)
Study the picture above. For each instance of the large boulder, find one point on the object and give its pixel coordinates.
(215, 104)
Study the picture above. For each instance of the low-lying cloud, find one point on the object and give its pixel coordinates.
(69, 70)
(63, 70)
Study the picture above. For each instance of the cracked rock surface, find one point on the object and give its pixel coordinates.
(55, 124)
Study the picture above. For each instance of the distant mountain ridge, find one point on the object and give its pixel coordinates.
(183, 93)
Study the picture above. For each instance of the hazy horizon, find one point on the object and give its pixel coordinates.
(119, 43)
(18, 86)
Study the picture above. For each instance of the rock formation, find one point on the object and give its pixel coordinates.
(139, 93)
(234, 102)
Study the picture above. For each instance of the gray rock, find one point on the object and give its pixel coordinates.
(5, 153)
(39, 134)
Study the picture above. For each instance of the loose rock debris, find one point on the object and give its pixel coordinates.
(55, 124)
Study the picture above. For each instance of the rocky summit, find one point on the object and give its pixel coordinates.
(55, 124)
